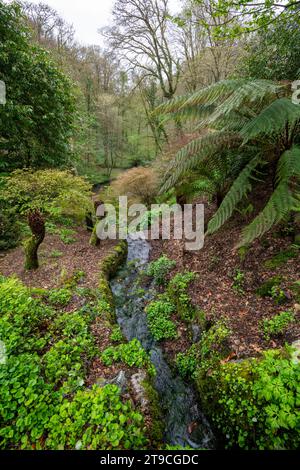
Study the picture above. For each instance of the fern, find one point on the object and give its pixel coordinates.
(194, 152)
(280, 204)
(236, 114)
(240, 187)
(288, 165)
(272, 121)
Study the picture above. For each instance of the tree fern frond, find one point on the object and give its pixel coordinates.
(237, 191)
(272, 120)
(192, 112)
(280, 204)
(288, 165)
(196, 151)
(254, 91)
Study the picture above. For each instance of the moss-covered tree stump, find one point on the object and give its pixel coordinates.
(31, 245)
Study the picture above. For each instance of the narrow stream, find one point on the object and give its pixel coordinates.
(178, 400)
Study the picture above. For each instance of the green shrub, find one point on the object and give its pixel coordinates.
(22, 317)
(187, 362)
(178, 295)
(158, 319)
(277, 325)
(265, 290)
(60, 297)
(10, 230)
(97, 419)
(255, 403)
(27, 402)
(131, 354)
(116, 334)
(159, 269)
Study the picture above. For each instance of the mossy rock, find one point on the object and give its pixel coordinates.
(156, 430)
(108, 267)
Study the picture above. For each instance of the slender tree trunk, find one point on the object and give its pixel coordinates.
(31, 246)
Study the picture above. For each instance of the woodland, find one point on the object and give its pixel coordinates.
(142, 344)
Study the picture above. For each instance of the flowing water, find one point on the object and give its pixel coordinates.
(178, 400)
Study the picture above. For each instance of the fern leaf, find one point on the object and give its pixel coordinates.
(288, 165)
(280, 204)
(272, 120)
(237, 191)
(195, 152)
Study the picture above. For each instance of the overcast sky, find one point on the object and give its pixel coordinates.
(88, 16)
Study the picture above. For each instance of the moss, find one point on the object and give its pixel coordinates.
(156, 430)
(282, 257)
(108, 267)
(265, 289)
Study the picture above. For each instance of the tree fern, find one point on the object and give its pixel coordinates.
(280, 204)
(288, 165)
(272, 120)
(194, 152)
(240, 187)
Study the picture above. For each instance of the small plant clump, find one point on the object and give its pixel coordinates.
(132, 354)
(60, 297)
(277, 325)
(239, 282)
(158, 318)
(159, 269)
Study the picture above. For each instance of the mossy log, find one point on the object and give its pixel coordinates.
(31, 245)
(108, 267)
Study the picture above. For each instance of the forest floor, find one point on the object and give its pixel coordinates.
(59, 263)
(218, 293)
(57, 260)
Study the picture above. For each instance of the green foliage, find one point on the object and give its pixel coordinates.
(205, 354)
(27, 402)
(243, 115)
(187, 362)
(158, 319)
(56, 253)
(21, 317)
(265, 289)
(116, 335)
(54, 192)
(277, 325)
(10, 229)
(60, 297)
(67, 235)
(159, 269)
(131, 354)
(37, 120)
(282, 257)
(178, 295)
(94, 424)
(238, 282)
(254, 403)
(42, 406)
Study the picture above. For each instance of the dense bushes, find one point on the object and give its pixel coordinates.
(255, 403)
(37, 119)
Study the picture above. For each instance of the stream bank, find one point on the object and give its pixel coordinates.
(184, 423)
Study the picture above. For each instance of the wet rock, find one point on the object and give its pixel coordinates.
(296, 352)
(196, 333)
(120, 380)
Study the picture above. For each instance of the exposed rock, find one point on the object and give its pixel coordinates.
(138, 389)
(296, 352)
